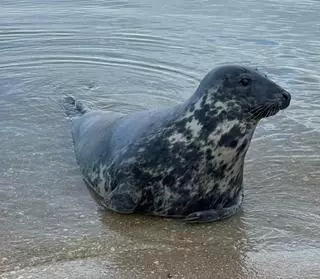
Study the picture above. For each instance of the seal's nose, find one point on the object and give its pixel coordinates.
(286, 98)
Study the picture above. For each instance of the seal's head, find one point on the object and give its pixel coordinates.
(253, 92)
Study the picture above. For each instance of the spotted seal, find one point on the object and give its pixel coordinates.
(185, 161)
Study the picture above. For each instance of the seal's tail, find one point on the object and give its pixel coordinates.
(73, 108)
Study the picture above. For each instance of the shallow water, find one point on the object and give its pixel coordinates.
(131, 55)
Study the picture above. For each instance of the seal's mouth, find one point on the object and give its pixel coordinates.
(271, 108)
(264, 111)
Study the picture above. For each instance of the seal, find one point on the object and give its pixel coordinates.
(185, 161)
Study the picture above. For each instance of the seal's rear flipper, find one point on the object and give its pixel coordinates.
(73, 108)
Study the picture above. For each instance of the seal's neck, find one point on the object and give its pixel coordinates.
(210, 111)
(212, 122)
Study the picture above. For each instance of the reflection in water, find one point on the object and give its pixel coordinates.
(144, 54)
(163, 246)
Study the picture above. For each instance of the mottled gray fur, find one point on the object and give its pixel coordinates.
(184, 161)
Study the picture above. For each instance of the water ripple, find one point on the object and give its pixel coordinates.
(40, 61)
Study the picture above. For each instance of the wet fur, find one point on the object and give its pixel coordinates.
(184, 161)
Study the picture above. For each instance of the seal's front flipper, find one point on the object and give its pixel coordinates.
(122, 203)
(212, 215)
(124, 199)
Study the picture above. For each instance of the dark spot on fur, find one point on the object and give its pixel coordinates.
(209, 154)
(181, 125)
(209, 167)
(187, 133)
(200, 115)
(145, 177)
(169, 180)
(185, 178)
(221, 116)
(207, 128)
(177, 148)
(192, 155)
(206, 107)
(220, 171)
(230, 139)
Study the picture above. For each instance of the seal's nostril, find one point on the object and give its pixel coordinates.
(286, 99)
(285, 96)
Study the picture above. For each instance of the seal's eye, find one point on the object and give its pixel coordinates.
(245, 81)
